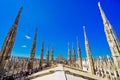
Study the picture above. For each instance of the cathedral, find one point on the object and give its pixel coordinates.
(73, 68)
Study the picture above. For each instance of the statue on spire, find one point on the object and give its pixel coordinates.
(18, 16)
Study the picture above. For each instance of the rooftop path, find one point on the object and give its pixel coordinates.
(82, 73)
(59, 73)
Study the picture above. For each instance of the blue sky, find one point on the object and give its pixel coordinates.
(59, 22)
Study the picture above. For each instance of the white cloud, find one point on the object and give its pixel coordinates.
(23, 46)
(27, 37)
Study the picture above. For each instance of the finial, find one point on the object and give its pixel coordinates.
(21, 8)
(36, 29)
(84, 30)
(77, 41)
(73, 45)
(42, 40)
(77, 38)
(52, 46)
(102, 13)
(42, 43)
(84, 27)
(48, 47)
(36, 33)
(86, 40)
(18, 16)
(99, 4)
(68, 43)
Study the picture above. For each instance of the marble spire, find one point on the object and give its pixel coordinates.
(73, 53)
(32, 53)
(88, 51)
(41, 54)
(112, 38)
(69, 54)
(47, 55)
(5, 52)
(79, 54)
